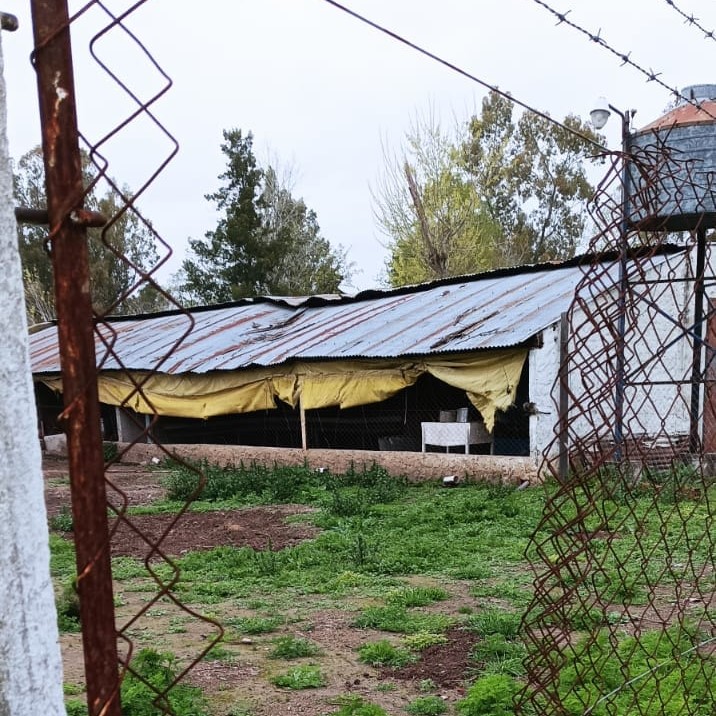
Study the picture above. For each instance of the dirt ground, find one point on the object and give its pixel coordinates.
(239, 684)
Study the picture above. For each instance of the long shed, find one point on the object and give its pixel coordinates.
(493, 338)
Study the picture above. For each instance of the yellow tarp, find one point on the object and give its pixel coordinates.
(489, 380)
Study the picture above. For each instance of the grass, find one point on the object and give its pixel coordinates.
(417, 596)
(291, 647)
(62, 521)
(427, 706)
(139, 695)
(397, 619)
(352, 705)
(375, 532)
(255, 625)
(382, 653)
(492, 621)
(300, 677)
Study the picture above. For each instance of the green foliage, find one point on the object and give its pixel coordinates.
(110, 277)
(291, 647)
(496, 621)
(383, 653)
(159, 670)
(348, 494)
(426, 531)
(501, 190)
(76, 707)
(351, 705)
(426, 706)
(110, 451)
(62, 521)
(68, 608)
(62, 558)
(498, 651)
(266, 241)
(532, 177)
(305, 676)
(423, 639)
(490, 695)
(497, 655)
(417, 596)
(255, 625)
(397, 619)
(667, 669)
(220, 653)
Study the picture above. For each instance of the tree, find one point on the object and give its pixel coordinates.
(531, 178)
(430, 211)
(499, 192)
(266, 242)
(111, 276)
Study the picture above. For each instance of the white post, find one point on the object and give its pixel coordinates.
(30, 662)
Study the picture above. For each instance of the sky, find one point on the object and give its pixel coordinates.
(326, 95)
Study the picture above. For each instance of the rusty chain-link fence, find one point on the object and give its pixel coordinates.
(107, 646)
(622, 617)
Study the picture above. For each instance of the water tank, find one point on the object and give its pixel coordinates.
(672, 180)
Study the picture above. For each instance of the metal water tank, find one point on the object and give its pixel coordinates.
(672, 179)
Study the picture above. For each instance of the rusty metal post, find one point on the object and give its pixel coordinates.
(63, 176)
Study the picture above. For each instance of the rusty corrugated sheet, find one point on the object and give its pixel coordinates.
(497, 310)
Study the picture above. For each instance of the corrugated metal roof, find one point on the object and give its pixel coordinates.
(495, 310)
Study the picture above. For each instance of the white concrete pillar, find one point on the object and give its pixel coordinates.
(30, 663)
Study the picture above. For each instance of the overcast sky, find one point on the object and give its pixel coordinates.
(322, 92)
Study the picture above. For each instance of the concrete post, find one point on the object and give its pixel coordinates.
(30, 663)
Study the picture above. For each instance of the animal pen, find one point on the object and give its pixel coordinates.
(634, 422)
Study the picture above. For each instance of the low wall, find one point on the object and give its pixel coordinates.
(416, 465)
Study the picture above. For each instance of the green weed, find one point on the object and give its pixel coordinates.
(495, 621)
(417, 596)
(497, 655)
(220, 653)
(68, 608)
(62, 522)
(426, 706)
(291, 647)
(397, 619)
(159, 670)
(76, 707)
(662, 661)
(422, 640)
(255, 625)
(383, 653)
(300, 677)
(356, 706)
(490, 695)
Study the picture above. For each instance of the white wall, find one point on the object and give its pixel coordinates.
(30, 665)
(653, 410)
(544, 393)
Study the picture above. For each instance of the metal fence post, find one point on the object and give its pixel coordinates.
(65, 193)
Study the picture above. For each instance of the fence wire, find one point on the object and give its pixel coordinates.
(105, 22)
(622, 620)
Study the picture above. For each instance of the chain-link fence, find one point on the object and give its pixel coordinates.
(622, 619)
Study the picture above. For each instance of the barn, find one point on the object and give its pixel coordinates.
(466, 364)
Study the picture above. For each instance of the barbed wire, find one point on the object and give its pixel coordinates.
(692, 20)
(625, 57)
(455, 68)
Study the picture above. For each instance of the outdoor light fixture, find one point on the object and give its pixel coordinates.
(600, 114)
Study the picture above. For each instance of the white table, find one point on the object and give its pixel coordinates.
(447, 434)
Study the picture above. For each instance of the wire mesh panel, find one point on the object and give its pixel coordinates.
(76, 172)
(622, 618)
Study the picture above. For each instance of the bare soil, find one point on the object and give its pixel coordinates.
(240, 683)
